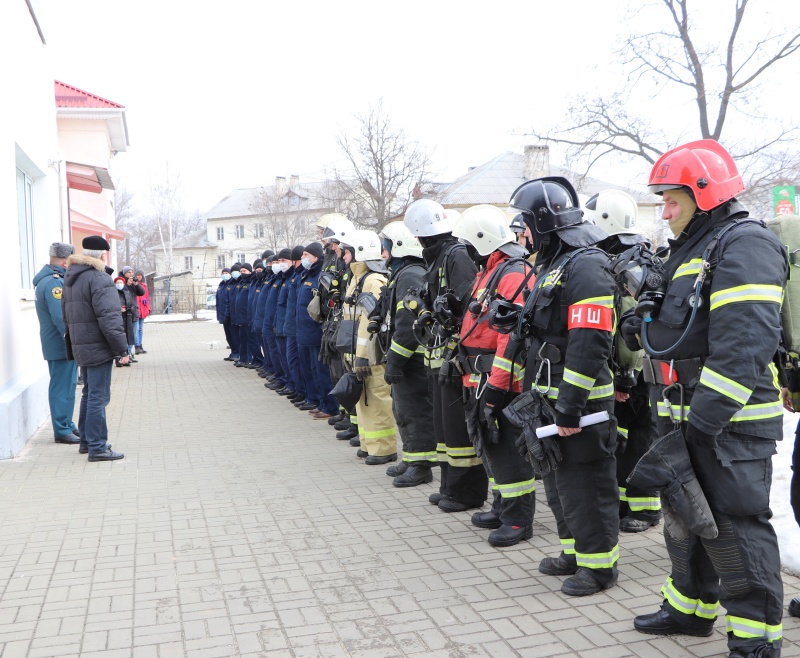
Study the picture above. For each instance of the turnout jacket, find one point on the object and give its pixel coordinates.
(407, 273)
(49, 284)
(573, 327)
(372, 284)
(91, 312)
(736, 329)
(478, 339)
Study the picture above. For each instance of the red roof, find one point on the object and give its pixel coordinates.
(69, 96)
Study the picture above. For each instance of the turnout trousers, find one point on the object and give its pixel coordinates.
(376, 427)
(510, 475)
(463, 476)
(635, 421)
(318, 381)
(61, 395)
(413, 413)
(244, 343)
(740, 569)
(583, 496)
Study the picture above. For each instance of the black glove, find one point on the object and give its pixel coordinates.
(393, 373)
(474, 425)
(494, 398)
(361, 368)
(543, 454)
(631, 328)
(699, 438)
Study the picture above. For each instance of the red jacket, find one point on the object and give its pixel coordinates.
(481, 339)
(144, 302)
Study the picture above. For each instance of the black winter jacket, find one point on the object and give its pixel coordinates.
(91, 308)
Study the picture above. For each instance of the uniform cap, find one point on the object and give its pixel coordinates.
(96, 243)
(61, 250)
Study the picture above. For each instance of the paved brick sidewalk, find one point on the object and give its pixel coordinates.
(237, 526)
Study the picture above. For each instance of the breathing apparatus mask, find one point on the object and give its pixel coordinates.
(640, 273)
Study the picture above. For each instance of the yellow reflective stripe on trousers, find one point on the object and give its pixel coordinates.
(686, 605)
(598, 560)
(725, 385)
(516, 489)
(692, 268)
(749, 628)
(623, 495)
(492, 484)
(420, 456)
(644, 503)
(379, 434)
(399, 349)
(663, 410)
(568, 546)
(462, 457)
(749, 293)
(577, 379)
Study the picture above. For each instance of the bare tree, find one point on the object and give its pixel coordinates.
(383, 167)
(722, 82)
(284, 216)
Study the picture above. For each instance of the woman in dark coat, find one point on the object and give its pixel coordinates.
(129, 308)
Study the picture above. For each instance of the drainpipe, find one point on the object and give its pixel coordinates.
(63, 199)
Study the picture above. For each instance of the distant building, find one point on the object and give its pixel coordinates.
(193, 253)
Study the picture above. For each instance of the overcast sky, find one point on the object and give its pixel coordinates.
(232, 94)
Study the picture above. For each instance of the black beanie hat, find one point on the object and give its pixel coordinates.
(315, 249)
(267, 253)
(270, 259)
(236, 267)
(285, 254)
(246, 266)
(226, 269)
(96, 243)
(297, 252)
(258, 263)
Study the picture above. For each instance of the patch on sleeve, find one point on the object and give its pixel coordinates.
(590, 316)
(57, 292)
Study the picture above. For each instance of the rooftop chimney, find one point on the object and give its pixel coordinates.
(280, 186)
(294, 181)
(536, 161)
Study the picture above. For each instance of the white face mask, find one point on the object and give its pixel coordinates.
(120, 286)
(226, 277)
(284, 267)
(306, 262)
(276, 267)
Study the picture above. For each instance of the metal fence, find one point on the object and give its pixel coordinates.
(181, 297)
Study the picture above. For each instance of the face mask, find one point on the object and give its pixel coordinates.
(284, 267)
(226, 277)
(120, 286)
(236, 274)
(276, 268)
(306, 262)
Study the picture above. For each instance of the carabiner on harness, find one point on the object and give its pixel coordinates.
(676, 420)
(543, 362)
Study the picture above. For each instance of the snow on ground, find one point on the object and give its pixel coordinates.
(783, 517)
(205, 314)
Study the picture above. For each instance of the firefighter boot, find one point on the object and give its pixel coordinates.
(563, 565)
(663, 623)
(794, 607)
(413, 476)
(509, 535)
(764, 651)
(586, 583)
(631, 524)
(397, 469)
(488, 520)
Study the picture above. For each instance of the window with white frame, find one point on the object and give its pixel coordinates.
(25, 225)
(187, 263)
(241, 258)
(220, 232)
(220, 261)
(259, 231)
(239, 230)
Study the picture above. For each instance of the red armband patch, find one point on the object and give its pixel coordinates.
(590, 316)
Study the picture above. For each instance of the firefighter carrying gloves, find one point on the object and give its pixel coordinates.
(567, 368)
(710, 349)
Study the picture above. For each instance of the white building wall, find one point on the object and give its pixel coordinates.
(28, 140)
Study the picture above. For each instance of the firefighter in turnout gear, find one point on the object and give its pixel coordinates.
(568, 321)
(615, 212)
(710, 349)
(378, 434)
(490, 378)
(440, 306)
(405, 363)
